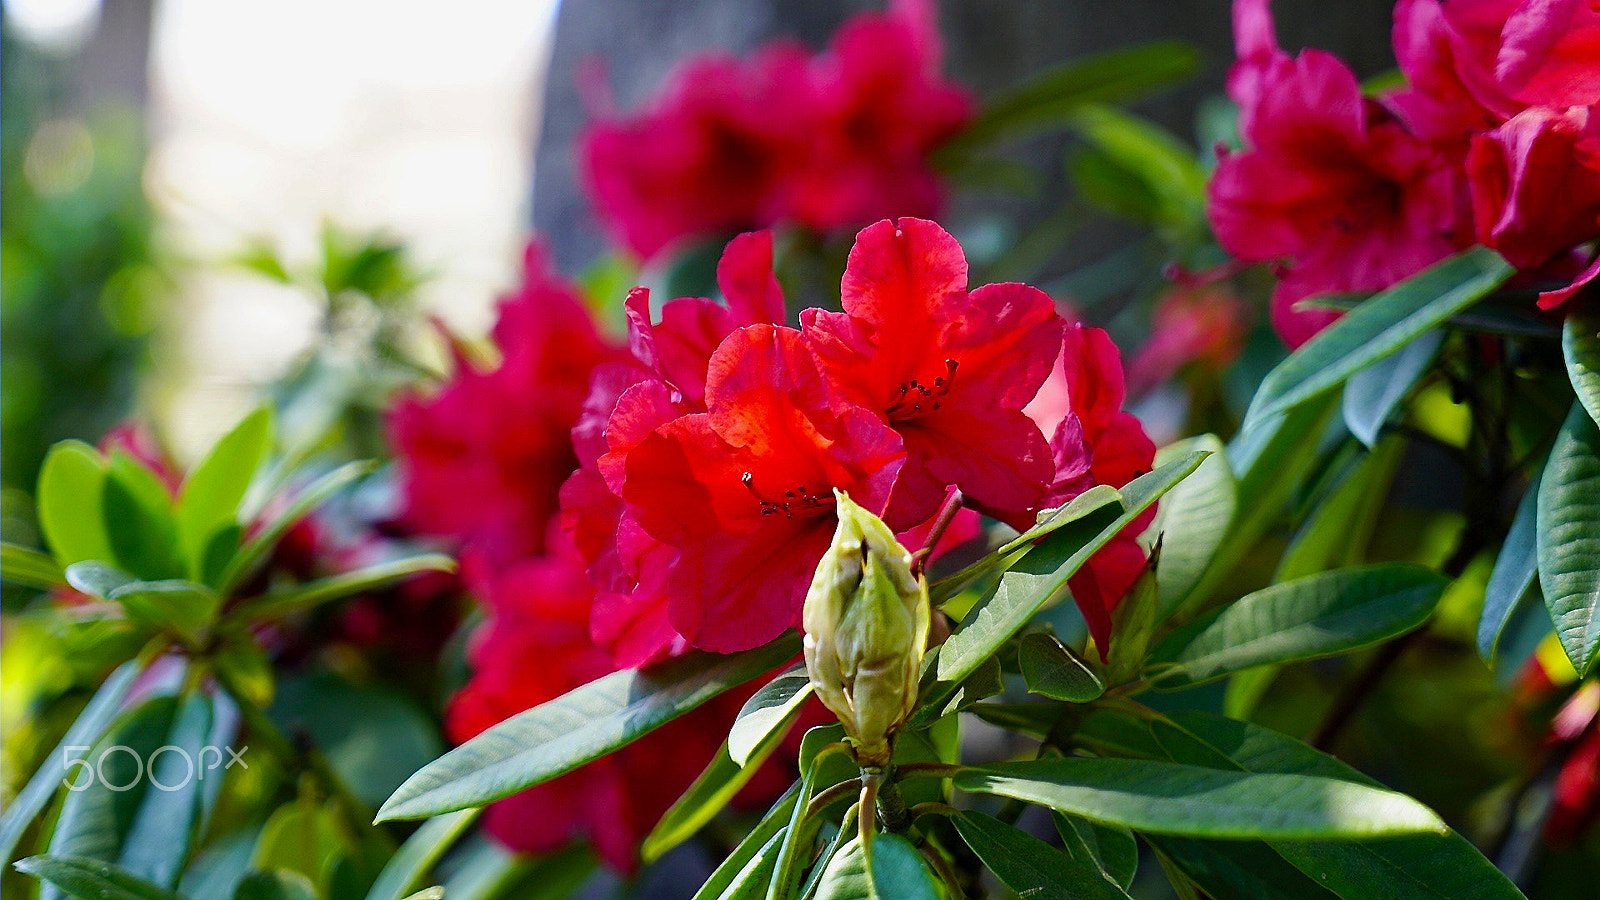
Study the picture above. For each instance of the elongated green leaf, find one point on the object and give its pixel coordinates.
(92, 879)
(557, 737)
(755, 841)
(1114, 850)
(1048, 99)
(1379, 328)
(181, 606)
(300, 598)
(140, 524)
(1373, 392)
(1246, 870)
(1152, 176)
(259, 546)
(280, 884)
(1050, 521)
(1515, 571)
(750, 882)
(1423, 865)
(1031, 867)
(1051, 669)
(1302, 619)
(1338, 531)
(1568, 541)
(169, 817)
(418, 854)
(85, 732)
(1040, 575)
(1194, 801)
(1193, 519)
(29, 568)
(211, 494)
(71, 485)
(97, 579)
(892, 870)
(1580, 345)
(710, 792)
(766, 711)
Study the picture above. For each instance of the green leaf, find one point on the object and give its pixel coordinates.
(1161, 176)
(1374, 391)
(91, 879)
(211, 494)
(256, 550)
(1516, 571)
(281, 884)
(1568, 543)
(1379, 328)
(771, 825)
(1033, 581)
(1051, 669)
(1033, 868)
(1114, 850)
(312, 594)
(139, 520)
(1318, 615)
(97, 579)
(557, 737)
(418, 854)
(29, 568)
(91, 724)
(71, 485)
(891, 870)
(1048, 99)
(1246, 870)
(1435, 866)
(1194, 801)
(1339, 530)
(1049, 521)
(1193, 519)
(170, 817)
(179, 606)
(302, 838)
(750, 882)
(1580, 345)
(245, 668)
(721, 779)
(766, 711)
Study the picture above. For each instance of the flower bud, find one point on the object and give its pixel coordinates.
(866, 623)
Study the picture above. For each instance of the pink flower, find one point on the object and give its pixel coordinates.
(1202, 325)
(1094, 442)
(1330, 183)
(831, 141)
(948, 369)
(482, 460)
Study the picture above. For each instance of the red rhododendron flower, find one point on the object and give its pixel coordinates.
(948, 369)
(1329, 181)
(832, 141)
(535, 647)
(1094, 442)
(482, 460)
(1536, 183)
(744, 491)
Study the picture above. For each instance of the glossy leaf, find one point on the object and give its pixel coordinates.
(417, 855)
(97, 579)
(180, 606)
(1049, 521)
(1034, 580)
(766, 711)
(86, 731)
(29, 568)
(1194, 801)
(168, 818)
(1378, 328)
(1246, 870)
(1338, 531)
(1515, 572)
(138, 513)
(771, 825)
(750, 882)
(71, 487)
(92, 879)
(891, 870)
(1114, 850)
(1032, 867)
(1193, 519)
(1051, 669)
(312, 594)
(211, 494)
(1372, 393)
(1318, 615)
(1580, 345)
(591, 721)
(1568, 541)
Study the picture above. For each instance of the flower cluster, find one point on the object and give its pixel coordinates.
(710, 461)
(480, 463)
(829, 141)
(1494, 139)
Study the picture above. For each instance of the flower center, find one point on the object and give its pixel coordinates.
(796, 501)
(913, 398)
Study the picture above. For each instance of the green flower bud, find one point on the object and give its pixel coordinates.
(866, 623)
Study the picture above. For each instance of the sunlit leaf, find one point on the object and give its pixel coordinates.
(1580, 345)
(92, 879)
(1031, 867)
(1567, 540)
(1051, 669)
(1373, 392)
(71, 486)
(211, 494)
